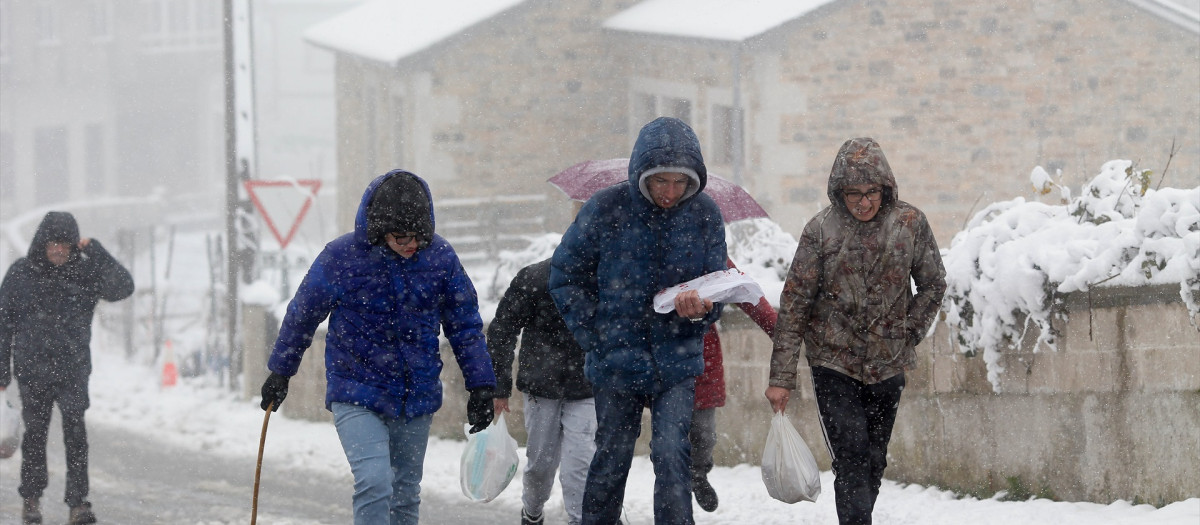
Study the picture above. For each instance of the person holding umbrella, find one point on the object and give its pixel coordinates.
(628, 242)
(386, 288)
(848, 300)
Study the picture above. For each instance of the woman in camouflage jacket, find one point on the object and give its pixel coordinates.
(848, 298)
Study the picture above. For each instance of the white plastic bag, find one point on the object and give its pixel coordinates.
(788, 468)
(489, 462)
(725, 286)
(10, 427)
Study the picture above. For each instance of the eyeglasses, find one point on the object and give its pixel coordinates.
(855, 196)
(402, 239)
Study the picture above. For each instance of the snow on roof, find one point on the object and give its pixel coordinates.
(389, 30)
(739, 20)
(1185, 13)
(730, 20)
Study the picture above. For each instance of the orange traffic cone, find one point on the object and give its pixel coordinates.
(169, 374)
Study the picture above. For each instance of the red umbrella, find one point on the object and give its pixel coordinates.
(582, 180)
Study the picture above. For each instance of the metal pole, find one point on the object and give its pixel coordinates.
(232, 251)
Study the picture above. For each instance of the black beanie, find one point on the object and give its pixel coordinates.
(399, 205)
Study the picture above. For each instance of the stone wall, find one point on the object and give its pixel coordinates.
(1112, 414)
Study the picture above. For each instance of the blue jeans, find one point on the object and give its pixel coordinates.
(386, 456)
(619, 421)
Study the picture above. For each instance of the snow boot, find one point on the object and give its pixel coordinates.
(526, 519)
(31, 511)
(706, 495)
(82, 514)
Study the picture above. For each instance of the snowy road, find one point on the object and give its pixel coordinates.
(140, 481)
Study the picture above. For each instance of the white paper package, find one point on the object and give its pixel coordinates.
(725, 286)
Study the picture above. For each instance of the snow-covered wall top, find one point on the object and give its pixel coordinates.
(1006, 268)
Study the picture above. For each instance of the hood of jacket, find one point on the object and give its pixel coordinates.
(56, 226)
(861, 161)
(362, 219)
(667, 144)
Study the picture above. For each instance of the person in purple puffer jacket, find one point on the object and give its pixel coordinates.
(386, 288)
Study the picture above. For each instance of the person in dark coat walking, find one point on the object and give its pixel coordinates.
(627, 243)
(47, 301)
(848, 301)
(386, 288)
(560, 412)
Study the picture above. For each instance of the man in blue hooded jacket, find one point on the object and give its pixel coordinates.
(386, 287)
(627, 243)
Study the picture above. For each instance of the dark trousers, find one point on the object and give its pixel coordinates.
(857, 420)
(703, 437)
(618, 423)
(37, 402)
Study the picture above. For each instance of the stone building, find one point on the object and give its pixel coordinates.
(966, 97)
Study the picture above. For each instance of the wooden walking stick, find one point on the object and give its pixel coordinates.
(262, 440)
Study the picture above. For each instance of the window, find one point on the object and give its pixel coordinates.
(680, 108)
(50, 165)
(5, 28)
(181, 25)
(727, 135)
(46, 23)
(97, 167)
(101, 20)
(647, 107)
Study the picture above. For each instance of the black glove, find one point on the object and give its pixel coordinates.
(480, 409)
(274, 390)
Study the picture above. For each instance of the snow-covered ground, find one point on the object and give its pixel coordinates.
(202, 416)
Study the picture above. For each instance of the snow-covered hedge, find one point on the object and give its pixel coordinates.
(1005, 270)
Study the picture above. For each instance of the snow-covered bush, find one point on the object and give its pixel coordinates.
(1006, 270)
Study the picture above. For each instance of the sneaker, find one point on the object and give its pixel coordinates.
(706, 496)
(82, 514)
(31, 512)
(526, 519)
